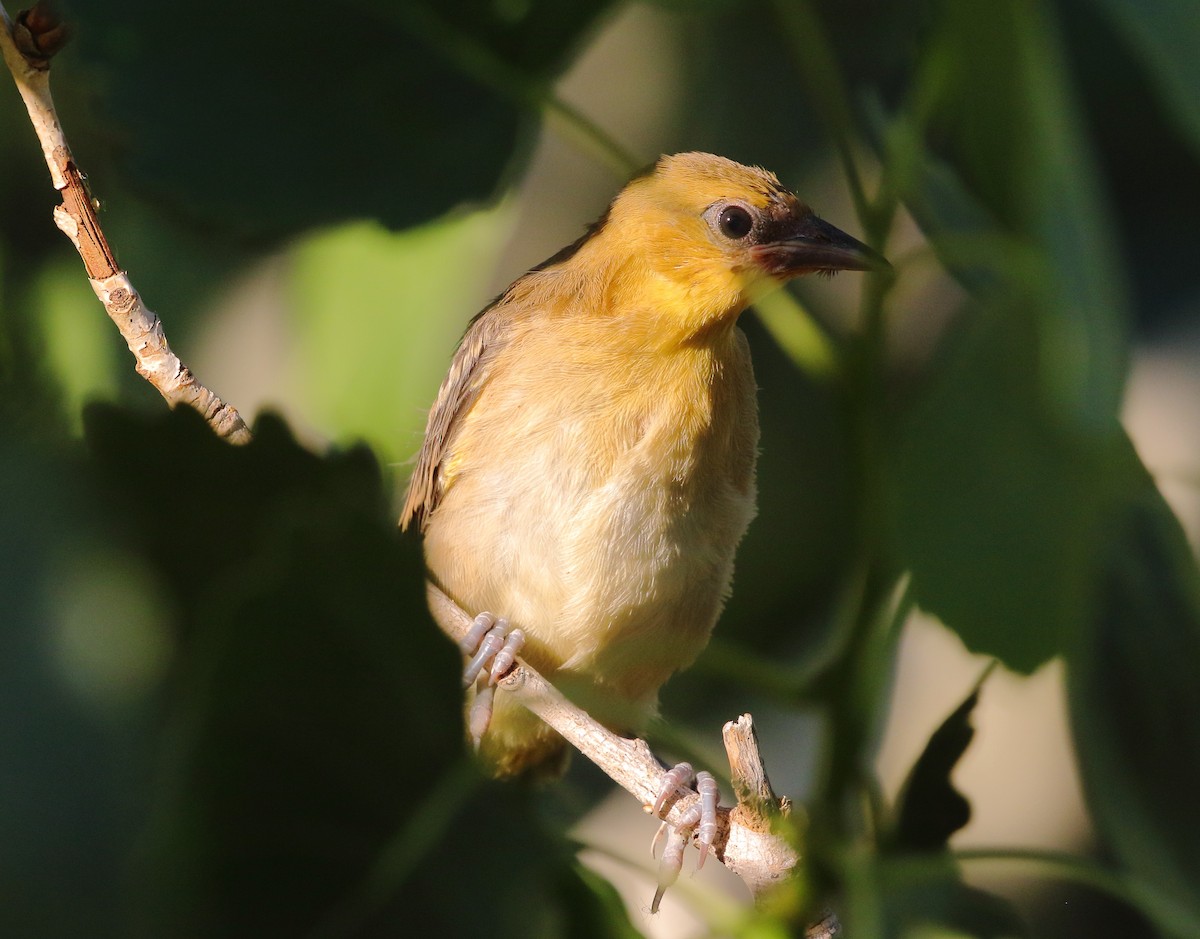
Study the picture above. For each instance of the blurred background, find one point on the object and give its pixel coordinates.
(227, 712)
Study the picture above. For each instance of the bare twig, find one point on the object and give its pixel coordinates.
(27, 46)
(746, 841)
(753, 820)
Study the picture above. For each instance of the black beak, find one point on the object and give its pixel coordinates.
(809, 244)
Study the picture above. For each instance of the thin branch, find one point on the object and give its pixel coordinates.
(746, 842)
(28, 45)
(628, 762)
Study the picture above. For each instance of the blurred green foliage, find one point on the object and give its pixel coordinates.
(394, 281)
(446, 73)
(229, 714)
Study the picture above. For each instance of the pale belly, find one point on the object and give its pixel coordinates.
(613, 553)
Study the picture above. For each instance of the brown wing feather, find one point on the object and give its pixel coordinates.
(461, 386)
(487, 332)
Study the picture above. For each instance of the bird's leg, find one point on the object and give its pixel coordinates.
(491, 646)
(701, 818)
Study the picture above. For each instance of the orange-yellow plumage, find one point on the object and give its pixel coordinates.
(588, 468)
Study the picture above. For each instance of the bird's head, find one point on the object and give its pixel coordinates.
(715, 234)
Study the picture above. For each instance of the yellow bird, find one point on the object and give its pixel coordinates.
(588, 466)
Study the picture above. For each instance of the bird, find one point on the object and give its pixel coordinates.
(588, 465)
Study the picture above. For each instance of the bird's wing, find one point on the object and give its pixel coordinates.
(467, 375)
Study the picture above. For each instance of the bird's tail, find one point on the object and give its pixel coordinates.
(518, 744)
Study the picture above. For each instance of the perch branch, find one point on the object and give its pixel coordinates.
(28, 43)
(746, 840)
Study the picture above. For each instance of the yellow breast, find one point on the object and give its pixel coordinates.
(595, 496)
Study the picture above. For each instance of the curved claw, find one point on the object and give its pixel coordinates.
(710, 795)
(671, 864)
(513, 643)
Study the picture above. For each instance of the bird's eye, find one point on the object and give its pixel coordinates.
(735, 222)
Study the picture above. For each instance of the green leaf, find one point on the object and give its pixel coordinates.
(1165, 34)
(272, 117)
(299, 737)
(1006, 119)
(376, 318)
(930, 809)
(598, 910)
(312, 777)
(79, 345)
(995, 507)
(81, 653)
(921, 897)
(538, 891)
(1135, 698)
(999, 484)
(952, 910)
